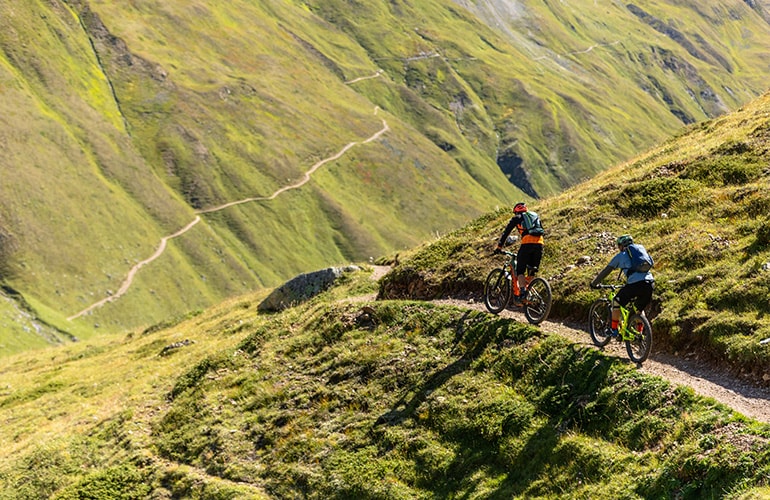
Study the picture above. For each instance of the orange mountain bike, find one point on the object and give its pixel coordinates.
(501, 284)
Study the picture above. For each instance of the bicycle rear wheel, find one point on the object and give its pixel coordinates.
(538, 302)
(599, 321)
(640, 346)
(497, 291)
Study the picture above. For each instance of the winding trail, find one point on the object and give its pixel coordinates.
(164, 241)
(376, 75)
(585, 51)
(130, 277)
(704, 378)
(707, 380)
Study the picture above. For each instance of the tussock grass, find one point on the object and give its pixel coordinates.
(340, 398)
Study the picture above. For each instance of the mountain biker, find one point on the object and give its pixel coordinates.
(531, 249)
(638, 287)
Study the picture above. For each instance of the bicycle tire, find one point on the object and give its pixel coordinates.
(639, 348)
(599, 321)
(497, 291)
(539, 301)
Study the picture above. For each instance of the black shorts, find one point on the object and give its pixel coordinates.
(529, 256)
(640, 292)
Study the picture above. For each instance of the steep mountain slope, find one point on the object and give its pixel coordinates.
(347, 398)
(123, 122)
(681, 55)
(137, 148)
(699, 203)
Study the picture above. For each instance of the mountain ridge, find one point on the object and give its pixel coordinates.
(118, 140)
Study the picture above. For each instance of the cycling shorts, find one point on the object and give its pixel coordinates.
(529, 256)
(640, 292)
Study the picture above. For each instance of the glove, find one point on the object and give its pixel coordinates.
(594, 286)
(497, 251)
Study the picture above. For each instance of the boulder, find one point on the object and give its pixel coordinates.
(302, 288)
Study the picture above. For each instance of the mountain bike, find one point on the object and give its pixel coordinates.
(501, 284)
(634, 328)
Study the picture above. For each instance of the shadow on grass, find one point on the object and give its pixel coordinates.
(473, 333)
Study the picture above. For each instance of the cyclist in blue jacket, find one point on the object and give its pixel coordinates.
(638, 287)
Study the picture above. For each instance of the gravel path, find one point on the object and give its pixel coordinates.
(750, 400)
(704, 379)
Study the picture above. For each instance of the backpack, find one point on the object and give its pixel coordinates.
(641, 262)
(531, 223)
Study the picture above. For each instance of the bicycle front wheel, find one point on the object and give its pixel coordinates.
(599, 321)
(640, 345)
(497, 291)
(538, 302)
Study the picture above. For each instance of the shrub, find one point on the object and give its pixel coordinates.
(124, 482)
(725, 170)
(763, 234)
(653, 196)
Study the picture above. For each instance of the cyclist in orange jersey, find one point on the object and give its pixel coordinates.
(530, 253)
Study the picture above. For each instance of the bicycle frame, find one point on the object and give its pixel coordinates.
(634, 328)
(502, 283)
(625, 313)
(510, 269)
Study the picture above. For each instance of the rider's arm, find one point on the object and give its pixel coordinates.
(620, 261)
(507, 231)
(603, 274)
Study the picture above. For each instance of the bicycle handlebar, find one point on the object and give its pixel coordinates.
(611, 287)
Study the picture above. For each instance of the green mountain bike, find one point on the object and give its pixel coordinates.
(501, 284)
(634, 328)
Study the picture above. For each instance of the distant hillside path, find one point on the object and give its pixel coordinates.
(162, 247)
(589, 49)
(375, 75)
(703, 378)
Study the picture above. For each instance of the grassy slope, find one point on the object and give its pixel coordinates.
(613, 74)
(333, 400)
(698, 202)
(138, 130)
(258, 134)
(70, 174)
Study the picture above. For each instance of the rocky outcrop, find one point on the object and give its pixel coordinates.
(302, 288)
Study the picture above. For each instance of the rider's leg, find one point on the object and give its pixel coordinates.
(527, 261)
(624, 296)
(615, 316)
(522, 284)
(521, 265)
(644, 291)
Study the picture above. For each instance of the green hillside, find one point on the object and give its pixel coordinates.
(699, 203)
(343, 398)
(123, 122)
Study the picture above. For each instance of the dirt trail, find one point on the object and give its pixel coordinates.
(703, 378)
(162, 247)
